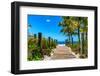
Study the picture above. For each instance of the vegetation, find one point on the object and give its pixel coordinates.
(76, 26)
(40, 46)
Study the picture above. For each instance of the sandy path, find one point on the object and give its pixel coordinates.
(62, 52)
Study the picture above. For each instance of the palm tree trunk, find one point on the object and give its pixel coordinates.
(69, 38)
(86, 36)
(79, 39)
(82, 43)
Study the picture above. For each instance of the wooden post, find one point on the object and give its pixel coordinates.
(40, 43)
(35, 36)
(52, 42)
(49, 41)
(39, 39)
(56, 42)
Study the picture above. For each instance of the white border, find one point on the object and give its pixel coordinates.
(26, 65)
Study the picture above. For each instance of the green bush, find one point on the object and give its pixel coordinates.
(37, 52)
(30, 58)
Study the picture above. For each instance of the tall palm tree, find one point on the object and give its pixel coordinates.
(79, 21)
(84, 30)
(69, 25)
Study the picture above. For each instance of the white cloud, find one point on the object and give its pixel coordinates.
(48, 20)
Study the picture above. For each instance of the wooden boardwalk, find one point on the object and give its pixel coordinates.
(62, 52)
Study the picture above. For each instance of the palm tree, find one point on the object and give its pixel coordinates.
(79, 21)
(69, 25)
(84, 30)
(75, 26)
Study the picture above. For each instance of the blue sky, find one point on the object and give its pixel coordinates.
(47, 25)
